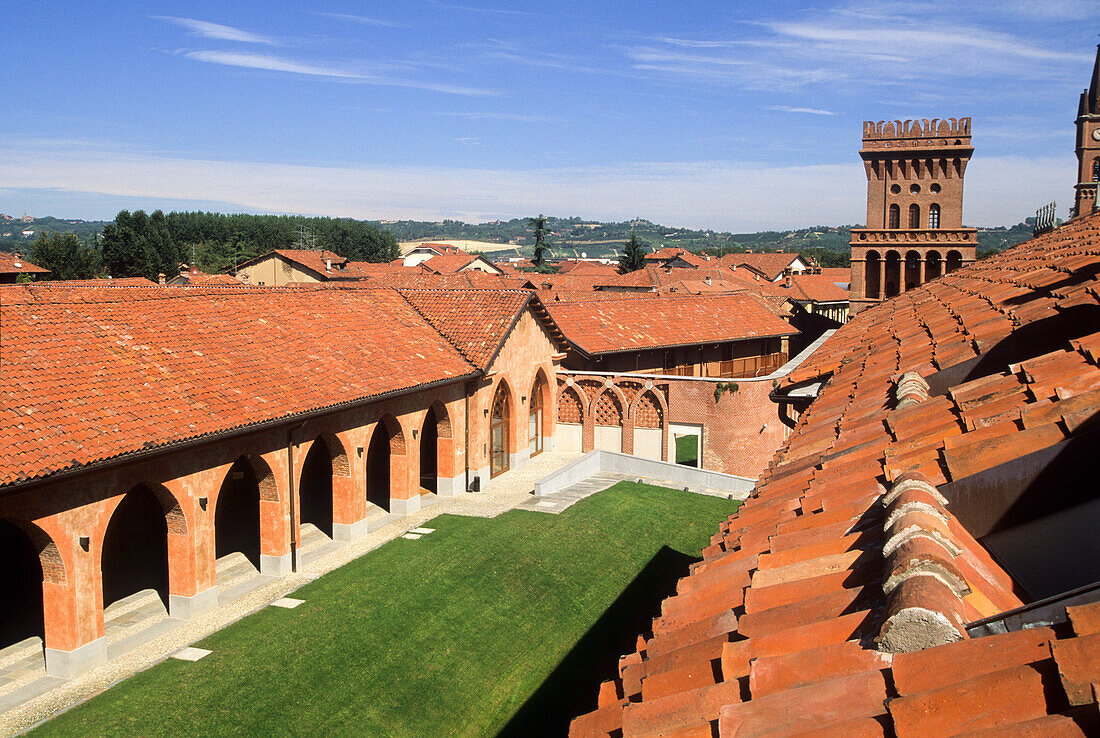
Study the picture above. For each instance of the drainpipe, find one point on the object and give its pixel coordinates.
(466, 449)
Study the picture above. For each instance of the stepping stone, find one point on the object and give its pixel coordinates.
(411, 537)
(422, 531)
(191, 654)
(287, 603)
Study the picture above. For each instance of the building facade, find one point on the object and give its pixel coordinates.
(914, 232)
(1088, 145)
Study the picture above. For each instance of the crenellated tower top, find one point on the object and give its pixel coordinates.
(923, 133)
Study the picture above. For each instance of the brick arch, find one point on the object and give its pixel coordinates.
(265, 478)
(337, 455)
(572, 407)
(547, 394)
(645, 405)
(602, 409)
(395, 433)
(49, 555)
(442, 420)
(620, 398)
(173, 510)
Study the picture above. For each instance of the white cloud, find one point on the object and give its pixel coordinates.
(270, 63)
(810, 111)
(205, 29)
(279, 64)
(361, 20)
(721, 195)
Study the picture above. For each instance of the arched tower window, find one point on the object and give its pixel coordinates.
(895, 217)
(914, 216)
(933, 216)
(1096, 170)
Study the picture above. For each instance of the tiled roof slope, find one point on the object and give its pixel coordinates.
(476, 322)
(608, 326)
(834, 601)
(8, 265)
(770, 264)
(92, 373)
(816, 288)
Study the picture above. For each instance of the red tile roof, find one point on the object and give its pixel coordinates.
(476, 322)
(451, 263)
(816, 288)
(818, 607)
(92, 373)
(8, 265)
(609, 326)
(770, 264)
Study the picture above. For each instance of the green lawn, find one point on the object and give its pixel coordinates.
(484, 626)
(687, 450)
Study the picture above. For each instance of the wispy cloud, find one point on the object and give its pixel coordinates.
(280, 64)
(361, 20)
(205, 29)
(270, 63)
(859, 45)
(474, 9)
(810, 111)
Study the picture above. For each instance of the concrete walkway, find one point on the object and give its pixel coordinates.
(140, 634)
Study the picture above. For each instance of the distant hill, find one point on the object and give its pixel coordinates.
(571, 237)
(12, 238)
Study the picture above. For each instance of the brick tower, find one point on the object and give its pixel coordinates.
(914, 227)
(1088, 145)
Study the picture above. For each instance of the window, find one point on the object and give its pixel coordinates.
(914, 216)
(934, 216)
(895, 217)
(1096, 170)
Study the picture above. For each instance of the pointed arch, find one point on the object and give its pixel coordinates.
(237, 508)
(934, 216)
(325, 459)
(608, 412)
(538, 407)
(571, 406)
(31, 561)
(134, 553)
(500, 429)
(385, 456)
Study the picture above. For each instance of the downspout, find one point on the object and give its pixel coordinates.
(466, 450)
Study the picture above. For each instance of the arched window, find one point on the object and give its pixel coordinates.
(895, 217)
(914, 216)
(1096, 170)
(933, 216)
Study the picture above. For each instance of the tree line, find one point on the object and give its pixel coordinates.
(137, 244)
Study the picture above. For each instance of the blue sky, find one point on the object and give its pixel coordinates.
(732, 116)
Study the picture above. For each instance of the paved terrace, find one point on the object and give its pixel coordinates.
(140, 633)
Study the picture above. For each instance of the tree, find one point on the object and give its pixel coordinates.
(633, 257)
(66, 256)
(539, 224)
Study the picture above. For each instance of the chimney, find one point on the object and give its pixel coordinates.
(18, 263)
(328, 265)
(160, 278)
(183, 269)
(787, 282)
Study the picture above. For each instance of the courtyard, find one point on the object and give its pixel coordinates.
(479, 626)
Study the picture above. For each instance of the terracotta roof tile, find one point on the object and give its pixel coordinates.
(609, 326)
(159, 365)
(847, 538)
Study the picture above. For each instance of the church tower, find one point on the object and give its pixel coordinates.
(1088, 145)
(914, 227)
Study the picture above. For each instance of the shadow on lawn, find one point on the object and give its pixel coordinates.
(572, 687)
